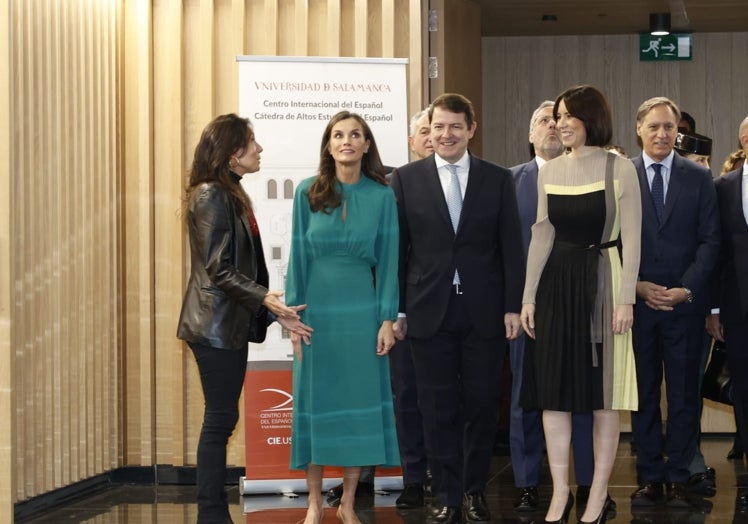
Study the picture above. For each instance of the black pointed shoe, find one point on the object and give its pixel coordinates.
(567, 509)
(475, 507)
(527, 500)
(446, 515)
(411, 497)
(648, 494)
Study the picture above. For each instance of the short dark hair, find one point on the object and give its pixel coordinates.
(588, 104)
(691, 122)
(455, 103)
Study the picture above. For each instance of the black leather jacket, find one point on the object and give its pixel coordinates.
(222, 305)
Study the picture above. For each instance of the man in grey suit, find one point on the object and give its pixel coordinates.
(679, 249)
(461, 277)
(730, 324)
(525, 429)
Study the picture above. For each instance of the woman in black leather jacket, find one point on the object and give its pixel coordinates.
(227, 303)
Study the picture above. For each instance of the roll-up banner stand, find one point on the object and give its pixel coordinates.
(289, 101)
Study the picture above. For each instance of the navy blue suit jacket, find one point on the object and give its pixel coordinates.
(733, 265)
(526, 183)
(486, 248)
(683, 250)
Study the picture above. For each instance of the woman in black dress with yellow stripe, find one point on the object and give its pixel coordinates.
(578, 300)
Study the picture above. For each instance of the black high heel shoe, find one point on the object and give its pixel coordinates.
(603, 516)
(567, 509)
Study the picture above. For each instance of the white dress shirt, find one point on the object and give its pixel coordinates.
(445, 175)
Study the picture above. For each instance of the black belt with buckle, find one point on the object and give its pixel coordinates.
(457, 288)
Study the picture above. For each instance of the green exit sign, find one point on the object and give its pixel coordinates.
(665, 48)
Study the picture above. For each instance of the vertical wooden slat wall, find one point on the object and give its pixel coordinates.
(108, 101)
(7, 158)
(60, 245)
(520, 72)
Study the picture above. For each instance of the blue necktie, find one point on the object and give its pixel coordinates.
(454, 204)
(658, 191)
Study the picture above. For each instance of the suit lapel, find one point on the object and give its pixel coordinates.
(735, 190)
(472, 191)
(433, 192)
(674, 187)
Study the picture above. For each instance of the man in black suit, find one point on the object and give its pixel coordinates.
(679, 248)
(730, 324)
(461, 277)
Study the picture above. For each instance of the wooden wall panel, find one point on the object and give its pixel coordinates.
(64, 238)
(136, 77)
(523, 71)
(173, 57)
(7, 161)
(109, 99)
(457, 46)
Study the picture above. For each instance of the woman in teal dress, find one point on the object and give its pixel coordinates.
(343, 265)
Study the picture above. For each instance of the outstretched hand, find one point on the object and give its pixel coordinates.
(273, 302)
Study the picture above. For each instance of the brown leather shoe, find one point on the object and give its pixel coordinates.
(648, 494)
(677, 496)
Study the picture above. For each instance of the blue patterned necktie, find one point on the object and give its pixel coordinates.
(658, 191)
(454, 197)
(454, 204)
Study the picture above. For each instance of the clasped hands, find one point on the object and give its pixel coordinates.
(660, 297)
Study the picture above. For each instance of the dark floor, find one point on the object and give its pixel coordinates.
(175, 504)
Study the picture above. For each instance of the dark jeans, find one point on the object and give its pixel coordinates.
(222, 376)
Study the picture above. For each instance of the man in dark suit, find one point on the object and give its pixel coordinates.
(679, 248)
(730, 324)
(461, 277)
(525, 429)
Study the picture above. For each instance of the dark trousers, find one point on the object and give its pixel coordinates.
(222, 376)
(459, 384)
(673, 342)
(408, 421)
(736, 339)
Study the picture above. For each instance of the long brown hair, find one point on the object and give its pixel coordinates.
(222, 138)
(325, 192)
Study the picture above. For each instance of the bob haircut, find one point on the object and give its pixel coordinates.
(588, 104)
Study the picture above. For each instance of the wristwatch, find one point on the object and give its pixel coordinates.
(689, 295)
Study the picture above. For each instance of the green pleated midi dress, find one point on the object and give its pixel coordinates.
(343, 265)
